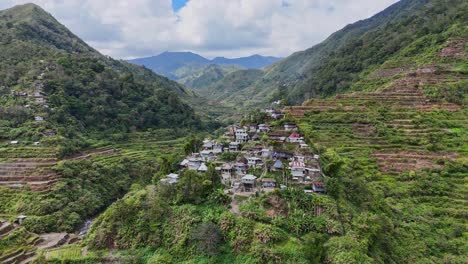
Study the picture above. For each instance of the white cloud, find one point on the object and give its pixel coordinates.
(124, 28)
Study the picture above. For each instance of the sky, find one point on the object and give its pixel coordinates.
(232, 28)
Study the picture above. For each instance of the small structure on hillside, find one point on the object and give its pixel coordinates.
(19, 219)
(278, 137)
(38, 118)
(194, 163)
(226, 173)
(241, 136)
(251, 127)
(207, 155)
(266, 153)
(218, 148)
(248, 182)
(203, 168)
(255, 137)
(285, 155)
(14, 142)
(277, 115)
(240, 168)
(295, 138)
(278, 165)
(290, 126)
(318, 187)
(263, 128)
(207, 145)
(234, 146)
(254, 162)
(50, 133)
(297, 170)
(268, 183)
(171, 179)
(304, 146)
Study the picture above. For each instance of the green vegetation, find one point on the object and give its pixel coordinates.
(208, 231)
(406, 35)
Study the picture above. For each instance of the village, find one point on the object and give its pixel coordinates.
(254, 158)
(35, 104)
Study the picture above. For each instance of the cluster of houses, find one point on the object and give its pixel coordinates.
(36, 96)
(256, 159)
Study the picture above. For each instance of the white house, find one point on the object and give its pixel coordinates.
(38, 118)
(248, 181)
(194, 163)
(207, 145)
(290, 126)
(266, 153)
(207, 155)
(277, 115)
(226, 173)
(202, 168)
(234, 146)
(218, 148)
(241, 136)
(263, 128)
(297, 170)
(304, 146)
(254, 162)
(171, 178)
(295, 138)
(240, 168)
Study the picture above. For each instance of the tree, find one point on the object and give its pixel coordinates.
(315, 250)
(207, 237)
(190, 187)
(193, 145)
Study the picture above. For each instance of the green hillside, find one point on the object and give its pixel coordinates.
(381, 106)
(204, 76)
(77, 128)
(230, 90)
(334, 65)
(46, 71)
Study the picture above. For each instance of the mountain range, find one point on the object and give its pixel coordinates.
(336, 65)
(196, 71)
(103, 148)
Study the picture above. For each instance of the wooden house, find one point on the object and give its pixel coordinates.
(268, 183)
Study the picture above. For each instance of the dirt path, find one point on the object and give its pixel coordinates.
(234, 206)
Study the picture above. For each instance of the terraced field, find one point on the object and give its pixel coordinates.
(398, 125)
(28, 167)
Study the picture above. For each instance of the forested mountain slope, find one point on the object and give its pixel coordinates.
(47, 71)
(63, 104)
(195, 71)
(348, 55)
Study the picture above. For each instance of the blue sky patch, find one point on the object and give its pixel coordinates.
(178, 4)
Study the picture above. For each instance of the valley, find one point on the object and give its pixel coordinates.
(352, 151)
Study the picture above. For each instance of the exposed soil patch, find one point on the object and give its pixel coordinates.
(455, 49)
(400, 161)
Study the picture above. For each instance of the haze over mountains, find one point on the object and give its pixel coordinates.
(196, 71)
